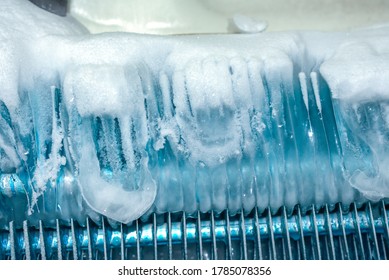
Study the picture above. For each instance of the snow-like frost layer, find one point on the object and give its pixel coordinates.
(357, 76)
(21, 23)
(121, 124)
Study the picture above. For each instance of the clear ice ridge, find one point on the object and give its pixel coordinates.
(124, 125)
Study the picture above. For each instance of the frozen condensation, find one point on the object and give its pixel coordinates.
(122, 125)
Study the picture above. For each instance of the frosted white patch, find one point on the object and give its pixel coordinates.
(180, 98)
(315, 86)
(204, 88)
(4, 179)
(166, 96)
(247, 24)
(243, 101)
(109, 197)
(207, 117)
(195, 91)
(10, 153)
(373, 188)
(256, 83)
(168, 128)
(359, 69)
(97, 90)
(209, 86)
(240, 83)
(304, 90)
(31, 21)
(9, 74)
(21, 22)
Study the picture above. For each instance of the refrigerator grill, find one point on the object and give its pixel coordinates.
(336, 233)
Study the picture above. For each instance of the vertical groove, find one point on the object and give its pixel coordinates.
(12, 240)
(330, 234)
(373, 233)
(213, 234)
(169, 228)
(298, 251)
(284, 257)
(331, 188)
(291, 119)
(385, 222)
(184, 239)
(74, 239)
(155, 237)
(122, 242)
(27, 245)
(276, 130)
(312, 248)
(105, 245)
(137, 239)
(59, 241)
(199, 237)
(355, 248)
(243, 234)
(358, 231)
(286, 229)
(316, 231)
(300, 227)
(271, 235)
(88, 230)
(327, 253)
(383, 247)
(369, 250)
(341, 248)
(42, 241)
(228, 235)
(257, 234)
(344, 237)
(307, 131)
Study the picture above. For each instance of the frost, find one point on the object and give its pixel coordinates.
(125, 124)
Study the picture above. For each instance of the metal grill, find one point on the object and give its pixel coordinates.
(336, 233)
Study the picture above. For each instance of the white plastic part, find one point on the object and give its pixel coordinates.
(215, 16)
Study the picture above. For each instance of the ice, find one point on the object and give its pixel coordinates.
(109, 197)
(97, 90)
(304, 91)
(123, 125)
(316, 90)
(21, 22)
(356, 76)
(366, 61)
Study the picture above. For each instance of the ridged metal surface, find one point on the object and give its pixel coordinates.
(324, 234)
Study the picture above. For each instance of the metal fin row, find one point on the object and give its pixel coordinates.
(318, 234)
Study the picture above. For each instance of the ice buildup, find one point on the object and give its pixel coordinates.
(123, 125)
